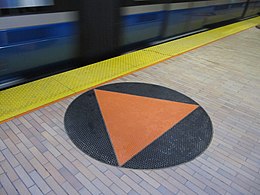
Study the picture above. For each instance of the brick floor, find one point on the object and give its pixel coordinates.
(37, 157)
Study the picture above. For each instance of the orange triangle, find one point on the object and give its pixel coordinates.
(134, 122)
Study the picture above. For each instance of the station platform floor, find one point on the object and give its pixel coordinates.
(223, 77)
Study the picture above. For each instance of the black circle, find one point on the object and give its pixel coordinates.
(181, 143)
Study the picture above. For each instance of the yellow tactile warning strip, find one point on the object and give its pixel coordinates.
(23, 98)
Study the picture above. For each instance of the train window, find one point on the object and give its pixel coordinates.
(221, 7)
(237, 5)
(142, 2)
(24, 3)
(23, 7)
(151, 2)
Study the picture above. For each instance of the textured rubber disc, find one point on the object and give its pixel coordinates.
(139, 126)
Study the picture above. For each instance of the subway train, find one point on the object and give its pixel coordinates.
(41, 37)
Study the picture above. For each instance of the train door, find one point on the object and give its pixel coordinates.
(99, 29)
(185, 16)
(142, 21)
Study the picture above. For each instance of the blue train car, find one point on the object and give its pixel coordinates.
(153, 20)
(36, 34)
(140, 23)
(186, 16)
(55, 35)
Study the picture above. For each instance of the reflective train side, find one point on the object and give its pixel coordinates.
(35, 34)
(46, 35)
(159, 21)
(28, 41)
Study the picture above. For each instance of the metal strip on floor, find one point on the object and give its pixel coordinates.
(27, 97)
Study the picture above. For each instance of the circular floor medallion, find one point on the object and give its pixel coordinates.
(137, 125)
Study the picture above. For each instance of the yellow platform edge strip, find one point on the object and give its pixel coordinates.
(27, 97)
